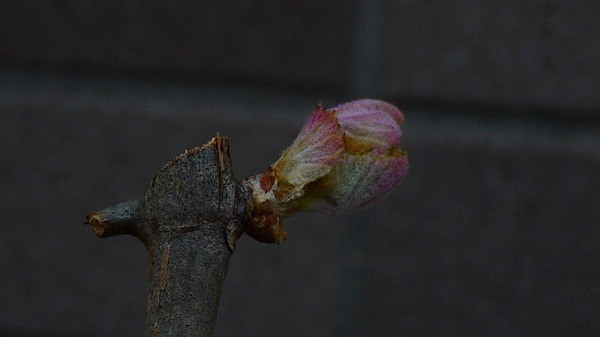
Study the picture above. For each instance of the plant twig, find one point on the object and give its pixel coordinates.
(189, 220)
(194, 211)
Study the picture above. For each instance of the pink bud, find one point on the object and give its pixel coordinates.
(369, 123)
(313, 154)
(359, 179)
(371, 164)
(342, 159)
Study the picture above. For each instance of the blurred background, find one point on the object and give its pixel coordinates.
(494, 232)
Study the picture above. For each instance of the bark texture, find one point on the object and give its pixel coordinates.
(189, 220)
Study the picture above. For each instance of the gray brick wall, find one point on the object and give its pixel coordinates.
(528, 54)
(493, 232)
(524, 53)
(298, 42)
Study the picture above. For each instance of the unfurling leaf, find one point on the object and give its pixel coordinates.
(342, 159)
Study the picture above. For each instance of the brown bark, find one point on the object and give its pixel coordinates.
(189, 220)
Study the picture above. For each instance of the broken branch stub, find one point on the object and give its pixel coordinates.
(189, 220)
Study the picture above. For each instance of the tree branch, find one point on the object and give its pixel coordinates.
(189, 220)
(116, 220)
(194, 211)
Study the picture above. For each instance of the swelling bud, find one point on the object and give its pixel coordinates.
(342, 159)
